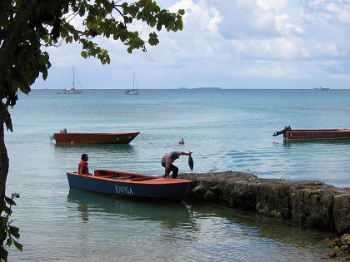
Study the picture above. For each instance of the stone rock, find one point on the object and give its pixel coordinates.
(341, 213)
(341, 248)
(307, 203)
(209, 196)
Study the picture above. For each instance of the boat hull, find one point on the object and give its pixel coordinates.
(318, 134)
(130, 185)
(95, 138)
(134, 92)
(72, 92)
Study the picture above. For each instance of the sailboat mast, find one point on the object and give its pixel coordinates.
(73, 79)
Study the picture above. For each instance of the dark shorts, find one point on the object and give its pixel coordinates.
(173, 169)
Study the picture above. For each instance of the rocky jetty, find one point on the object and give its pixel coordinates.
(306, 203)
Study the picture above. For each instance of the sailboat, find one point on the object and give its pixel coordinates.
(133, 90)
(73, 90)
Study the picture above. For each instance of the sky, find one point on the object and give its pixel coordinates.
(238, 44)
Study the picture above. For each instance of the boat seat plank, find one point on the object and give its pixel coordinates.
(121, 177)
(138, 179)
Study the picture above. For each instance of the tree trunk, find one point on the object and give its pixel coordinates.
(4, 161)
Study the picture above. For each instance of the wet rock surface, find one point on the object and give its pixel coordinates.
(306, 203)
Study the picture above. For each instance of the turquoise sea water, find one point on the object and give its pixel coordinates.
(226, 130)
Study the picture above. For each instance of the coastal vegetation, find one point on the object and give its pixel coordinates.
(29, 27)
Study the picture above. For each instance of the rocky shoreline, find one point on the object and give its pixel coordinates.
(307, 203)
(310, 204)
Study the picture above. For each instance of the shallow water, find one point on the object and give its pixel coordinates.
(226, 130)
(91, 227)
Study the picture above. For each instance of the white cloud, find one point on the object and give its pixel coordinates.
(241, 19)
(277, 5)
(252, 41)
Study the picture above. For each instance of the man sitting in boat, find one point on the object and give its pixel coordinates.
(167, 162)
(83, 165)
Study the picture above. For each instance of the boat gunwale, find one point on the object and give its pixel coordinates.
(152, 181)
(126, 133)
(319, 130)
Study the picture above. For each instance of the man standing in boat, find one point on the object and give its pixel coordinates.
(168, 160)
(83, 165)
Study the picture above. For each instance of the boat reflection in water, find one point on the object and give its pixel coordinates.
(106, 155)
(296, 143)
(105, 148)
(170, 214)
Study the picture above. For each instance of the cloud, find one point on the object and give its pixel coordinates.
(232, 44)
(246, 18)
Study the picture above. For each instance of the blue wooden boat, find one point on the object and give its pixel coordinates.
(130, 185)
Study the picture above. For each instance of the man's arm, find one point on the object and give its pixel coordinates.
(186, 154)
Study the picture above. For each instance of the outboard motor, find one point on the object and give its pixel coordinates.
(283, 131)
(62, 131)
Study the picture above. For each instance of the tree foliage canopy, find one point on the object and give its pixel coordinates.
(28, 25)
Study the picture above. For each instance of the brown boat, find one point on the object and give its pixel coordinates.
(94, 138)
(313, 134)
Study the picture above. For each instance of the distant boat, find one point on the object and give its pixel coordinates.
(130, 185)
(73, 90)
(321, 88)
(313, 134)
(133, 90)
(93, 138)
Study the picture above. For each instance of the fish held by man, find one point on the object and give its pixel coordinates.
(190, 161)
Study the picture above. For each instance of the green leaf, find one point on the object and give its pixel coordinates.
(153, 23)
(8, 123)
(82, 10)
(18, 245)
(69, 39)
(16, 195)
(25, 89)
(7, 210)
(14, 231)
(9, 242)
(181, 12)
(10, 201)
(44, 74)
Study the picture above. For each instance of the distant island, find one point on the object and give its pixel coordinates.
(321, 88)
(206, 88)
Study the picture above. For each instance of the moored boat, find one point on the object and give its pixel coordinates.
(73, 90)
(133, 90)
(94, 138)
(130, 185)
(313, 134)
